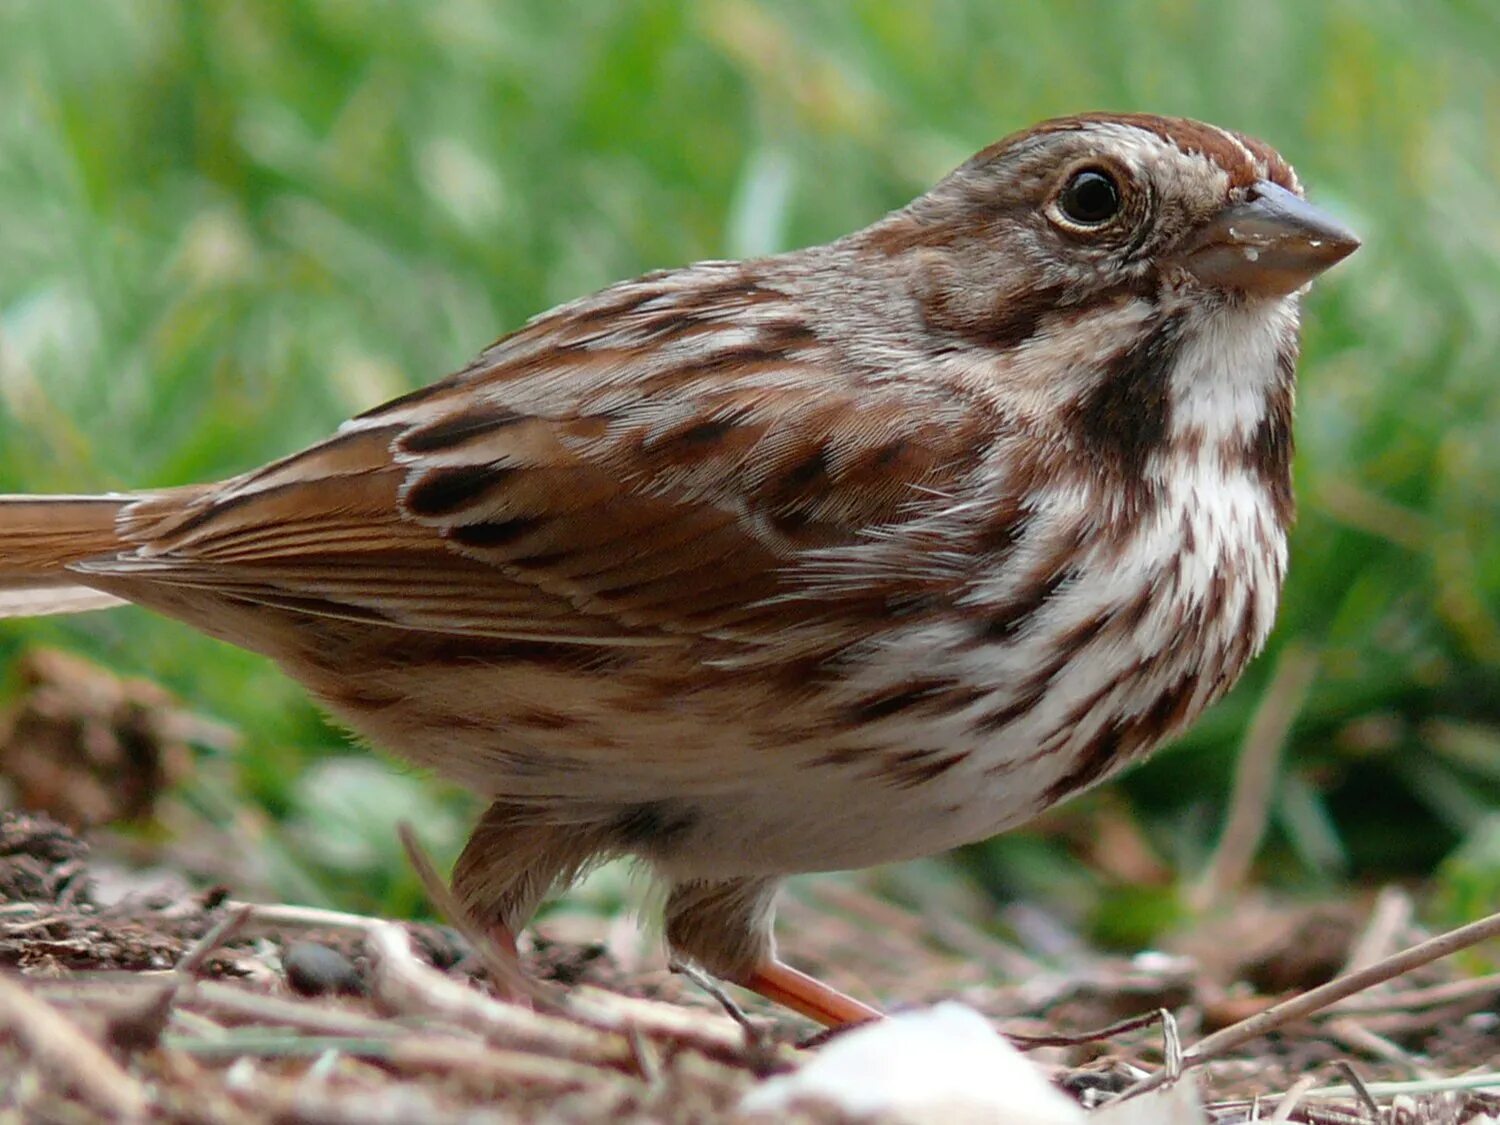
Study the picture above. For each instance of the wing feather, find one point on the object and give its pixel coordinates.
(675, 474)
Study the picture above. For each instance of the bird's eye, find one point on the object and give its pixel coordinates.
(1090, 198)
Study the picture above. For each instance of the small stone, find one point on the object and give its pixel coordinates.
(316, 970)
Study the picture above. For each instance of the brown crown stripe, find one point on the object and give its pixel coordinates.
(1218, 145)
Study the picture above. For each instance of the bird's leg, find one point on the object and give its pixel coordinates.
(794, 989)
(511, 985)
(511, 861)
(725, 927)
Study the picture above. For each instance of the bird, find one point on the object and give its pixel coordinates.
(814, 561)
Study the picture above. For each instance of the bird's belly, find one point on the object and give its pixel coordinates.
(1010, 721)
(832, 825)
(939, 732)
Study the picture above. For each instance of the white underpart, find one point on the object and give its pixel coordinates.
(1211, 501)
(1226, 366)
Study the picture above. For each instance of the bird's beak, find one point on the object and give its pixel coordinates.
(1270, 245)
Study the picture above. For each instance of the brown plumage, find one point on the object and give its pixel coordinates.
(815, 561)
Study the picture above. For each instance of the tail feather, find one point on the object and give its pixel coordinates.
(40, 537)
(45, 599)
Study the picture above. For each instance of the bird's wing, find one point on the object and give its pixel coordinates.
(674, 458)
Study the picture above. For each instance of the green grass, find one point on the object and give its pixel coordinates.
(224, 227)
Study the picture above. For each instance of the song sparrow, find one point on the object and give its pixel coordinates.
(815, 561)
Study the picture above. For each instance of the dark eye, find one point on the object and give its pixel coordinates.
(1089, 198)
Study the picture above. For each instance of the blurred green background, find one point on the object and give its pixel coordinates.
(224, 227)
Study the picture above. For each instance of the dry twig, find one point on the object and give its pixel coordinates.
(1316, 999)
(503, 971)
(221, 932)
(406, 986)
(69, 1055)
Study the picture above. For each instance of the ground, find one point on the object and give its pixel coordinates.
(135, 990)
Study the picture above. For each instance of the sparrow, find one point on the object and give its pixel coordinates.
(814, 561)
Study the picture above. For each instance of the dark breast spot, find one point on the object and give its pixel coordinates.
(1127, 416)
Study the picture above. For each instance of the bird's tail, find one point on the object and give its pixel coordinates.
(40, 536)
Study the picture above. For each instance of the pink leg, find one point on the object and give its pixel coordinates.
(807, 995)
